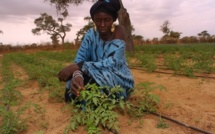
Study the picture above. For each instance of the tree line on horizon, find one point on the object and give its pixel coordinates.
(203, 37)
(47, 24)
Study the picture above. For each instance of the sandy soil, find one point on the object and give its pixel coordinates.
(188, 100)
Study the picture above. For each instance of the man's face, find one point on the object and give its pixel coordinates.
(103, 22)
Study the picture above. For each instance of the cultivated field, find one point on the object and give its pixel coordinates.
(178, 83)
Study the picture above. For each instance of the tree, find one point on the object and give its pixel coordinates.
(189, 39)
(165, 28)
(204, 36)
(174, 34)
(1, 32)
(55, 40)
(170, 36)
(124, 20)
(45, 23)
(138, 39)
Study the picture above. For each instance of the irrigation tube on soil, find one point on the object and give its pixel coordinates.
(183, 124)
(178, 122)
(139, 68)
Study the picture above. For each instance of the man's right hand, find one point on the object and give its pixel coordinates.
(66, 73)
(76, 85)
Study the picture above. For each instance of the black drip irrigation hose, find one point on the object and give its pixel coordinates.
(139, 68)
(175, 121)
(180, 123)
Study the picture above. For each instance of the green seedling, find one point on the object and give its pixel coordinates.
(95, 109)
(162, 123)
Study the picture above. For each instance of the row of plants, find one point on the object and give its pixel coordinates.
(46, 46)
(10, 120)
(41, 69)
(182, 59)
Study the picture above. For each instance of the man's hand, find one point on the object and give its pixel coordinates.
(66, 73)
(77, 84)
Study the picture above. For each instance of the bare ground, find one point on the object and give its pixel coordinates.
(188, 100)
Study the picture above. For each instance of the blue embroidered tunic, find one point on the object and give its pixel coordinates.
(105, 61)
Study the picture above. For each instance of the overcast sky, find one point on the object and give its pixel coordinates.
(189, 17)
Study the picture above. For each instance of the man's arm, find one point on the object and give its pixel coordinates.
(119, 33)
(66, 73)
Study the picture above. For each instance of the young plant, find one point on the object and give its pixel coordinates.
(144, 101)
(162, 123)
(147, 61)
(11, 123)
(148, 101)
(95, 108)
(174, 63)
